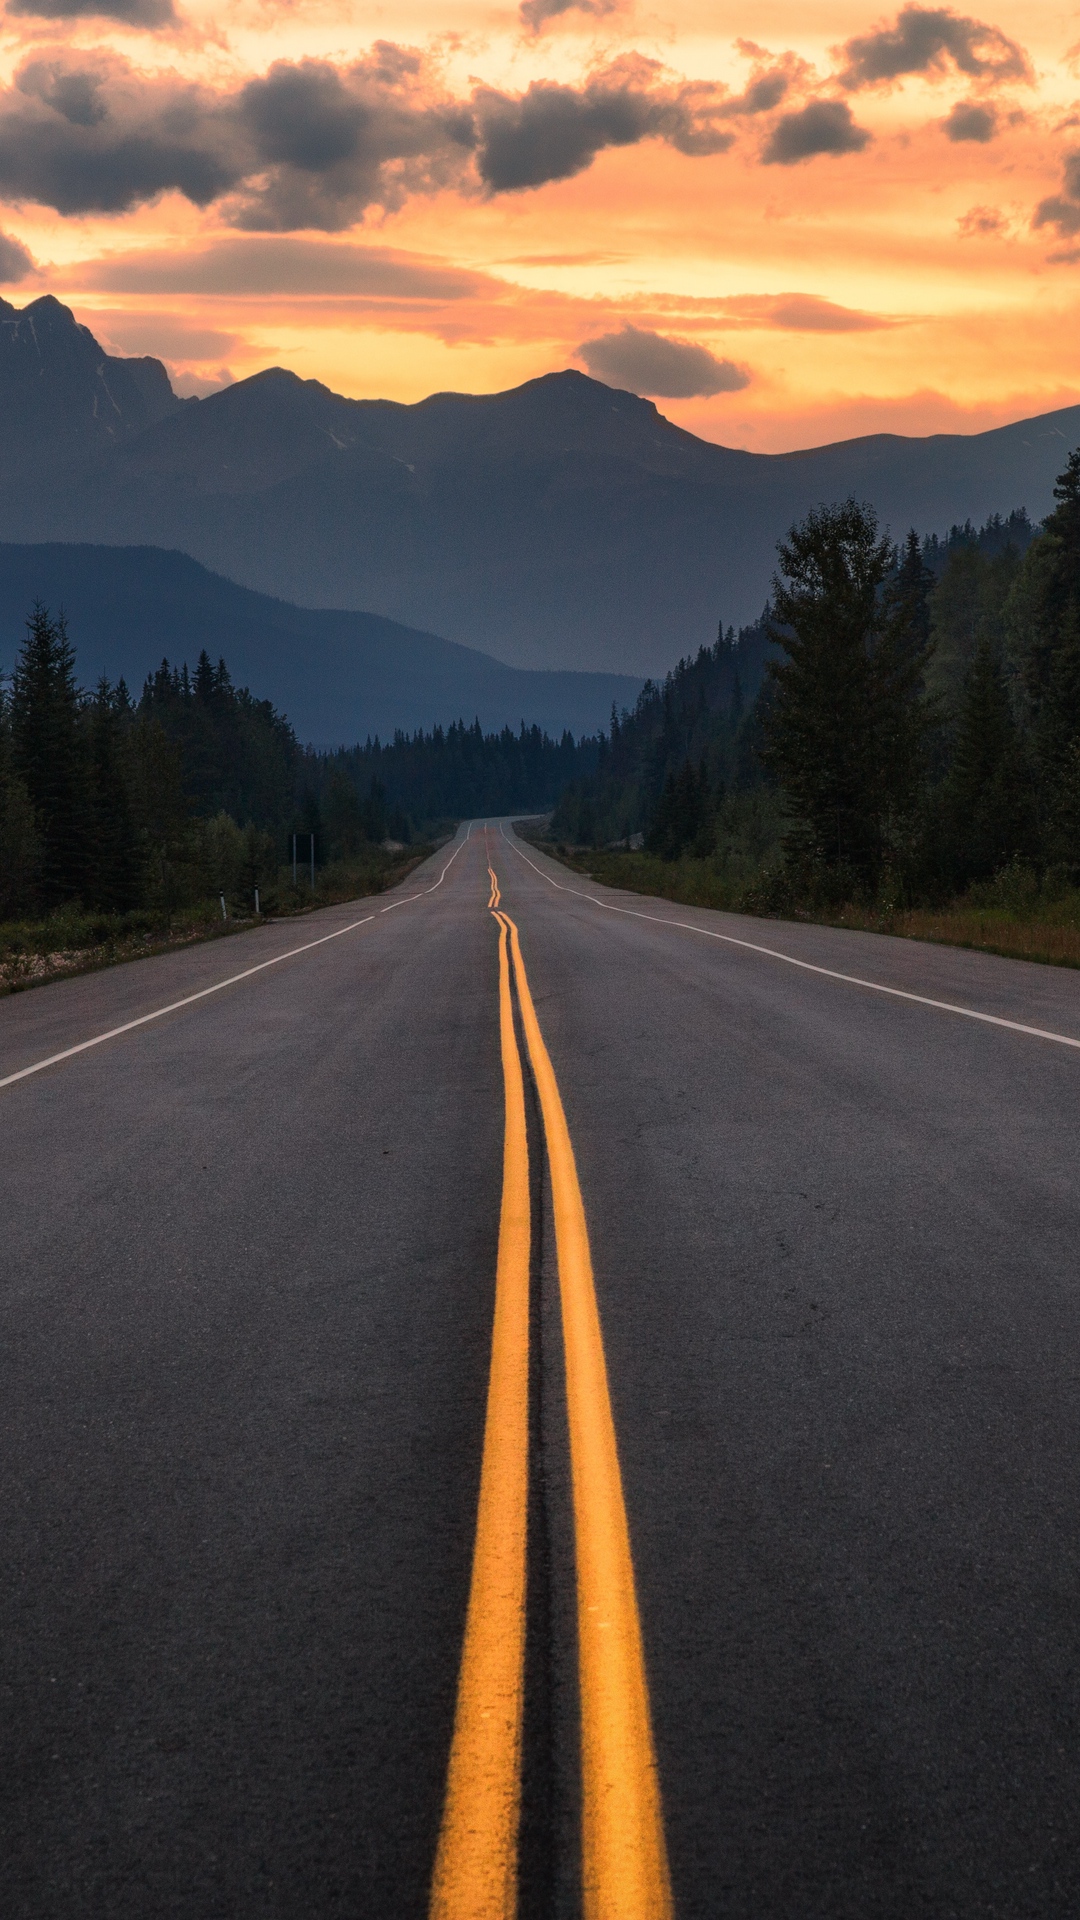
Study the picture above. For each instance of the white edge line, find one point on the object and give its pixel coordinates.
(806, 966)
(219, 986)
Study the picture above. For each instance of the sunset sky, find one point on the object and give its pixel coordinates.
(787, 223)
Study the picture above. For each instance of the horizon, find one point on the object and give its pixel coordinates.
(557, 372)
(846, 224)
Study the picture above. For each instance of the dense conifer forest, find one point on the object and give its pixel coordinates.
(902, 725)
(116, 803)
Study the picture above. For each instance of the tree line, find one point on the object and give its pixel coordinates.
(915, 726)
(116, 803)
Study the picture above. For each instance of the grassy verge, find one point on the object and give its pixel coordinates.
(1010, 916)
(33, 952)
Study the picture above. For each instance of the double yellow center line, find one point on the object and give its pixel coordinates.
(624, 1858)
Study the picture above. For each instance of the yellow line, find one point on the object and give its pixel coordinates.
(476, 1866)
(624, 1866)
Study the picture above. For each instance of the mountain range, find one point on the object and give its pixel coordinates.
(340, 676)
(560, 525)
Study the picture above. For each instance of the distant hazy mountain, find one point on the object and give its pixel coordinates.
(338, 676)
(562, 524)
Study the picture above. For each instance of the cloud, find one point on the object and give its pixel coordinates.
(969, 121)
(305, 145)
(552, 131)
(129, 13)
(15, 261)
(279, 265)
(161, 334)
(825, 126)
(592, 259)
(1062, 210)
(92, 135)
(769, 82)
(338, 140)
(979, 222)
(651, 363)
(536, 13)
(313, 145)
(925, 40)
(801, 313)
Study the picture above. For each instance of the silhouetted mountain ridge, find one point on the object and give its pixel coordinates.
(62, 397)
(560, 524)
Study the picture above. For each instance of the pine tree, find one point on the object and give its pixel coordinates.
(49, 755)
(987, 795)
(20, 847)
(115, 868)
(683, 814)
(1046, 610)
(843, 717)
(159, 807)
(344, 817)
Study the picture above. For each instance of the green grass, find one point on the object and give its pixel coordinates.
(1011, 915)
(70, 941)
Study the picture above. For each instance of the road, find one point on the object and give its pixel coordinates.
(251, 1250)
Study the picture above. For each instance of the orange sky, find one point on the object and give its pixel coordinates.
(788, 223)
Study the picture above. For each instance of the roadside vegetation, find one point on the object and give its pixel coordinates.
(71, 940)
(128, 824)
(895, 746)
(1010, 915)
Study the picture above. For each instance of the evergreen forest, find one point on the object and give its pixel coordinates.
(901, 726)
(117, 804)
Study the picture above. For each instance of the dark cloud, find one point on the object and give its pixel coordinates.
(15, 261)
(1062, 210)
(306, 145)
(969, 121)
(313, 145)
(339, 140)
(276, 266)
(762, 94)
(770, 81)
(130, 13)
(825, 126)
(73, 93)
(552, 132)
(925, 40)
(92, 135)
(650, 363)
(536, 13)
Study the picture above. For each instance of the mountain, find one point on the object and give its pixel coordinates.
(63, 399)
(339, 676)
(561, 524)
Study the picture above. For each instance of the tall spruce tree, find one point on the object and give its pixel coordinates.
(987, 794)
(115, 866)
(683, 815)
(20, 846)
(846, 716)
(49, 754)
(1046, 618)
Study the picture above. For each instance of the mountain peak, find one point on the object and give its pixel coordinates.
(62, 396)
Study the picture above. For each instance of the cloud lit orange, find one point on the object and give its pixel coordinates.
(850, 221)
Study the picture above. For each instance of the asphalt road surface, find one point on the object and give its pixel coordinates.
(250, 1252)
